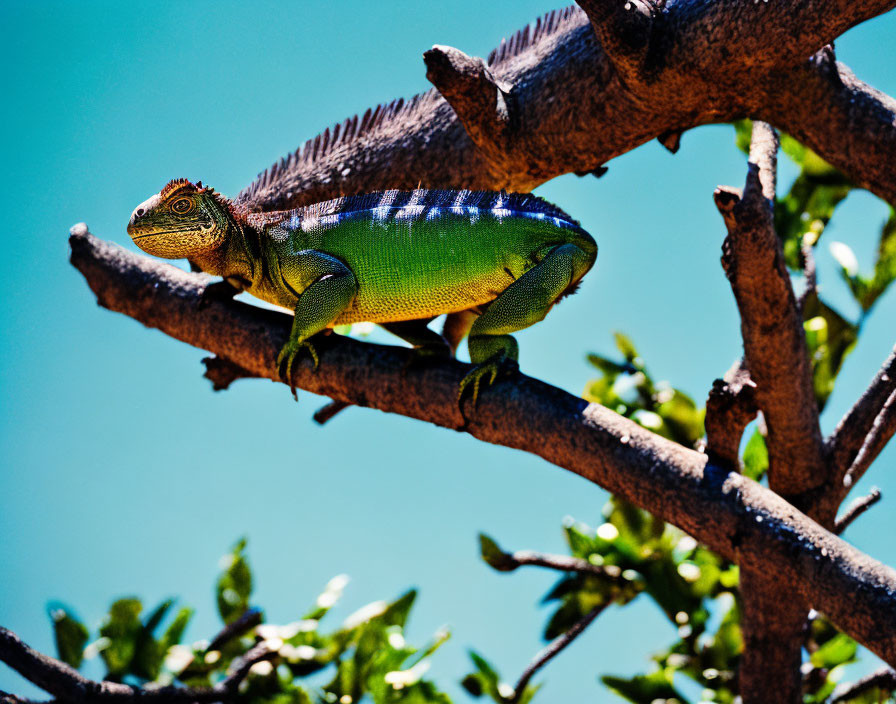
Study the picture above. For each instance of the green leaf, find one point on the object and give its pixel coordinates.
(71, 635)
(838, 650)
(148, 654)
(175, 630)
(625, 345)
(681, 415)
(830, 338)
(121, 628)
(608, 366)
(493, 555)
(486, 680)
(234, 584)
(868, 291)
(755, 456)
(580, 540)
(644, 689)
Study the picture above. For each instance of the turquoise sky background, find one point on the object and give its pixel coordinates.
(123, 473)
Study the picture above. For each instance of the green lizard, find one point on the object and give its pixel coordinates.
(396, 258)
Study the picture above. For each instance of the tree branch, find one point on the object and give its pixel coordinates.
(509, 561)
(775, 348)
(478, 99)
(856, 509)
(856, 428)
(574, 109)
(734, 516)
(552, 649)
(750, 36)
(67, 684)
(729, 409)
(883, 679)
(855, 129)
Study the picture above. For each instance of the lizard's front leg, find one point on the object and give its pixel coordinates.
(333, 287)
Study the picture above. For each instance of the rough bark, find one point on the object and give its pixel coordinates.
(777, 356)
(566, 102)
(731, 514)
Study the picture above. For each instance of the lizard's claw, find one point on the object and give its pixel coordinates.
(287, 358)
(489, 371)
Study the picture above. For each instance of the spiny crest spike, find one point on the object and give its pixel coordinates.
(175, 185)
(548, 24)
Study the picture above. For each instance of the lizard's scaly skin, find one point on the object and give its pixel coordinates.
(383, 257)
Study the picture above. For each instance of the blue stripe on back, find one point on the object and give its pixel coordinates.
(423, 202)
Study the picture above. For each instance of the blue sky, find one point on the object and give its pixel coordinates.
(124, 473)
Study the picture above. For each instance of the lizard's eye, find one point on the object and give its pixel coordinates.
(182, 206)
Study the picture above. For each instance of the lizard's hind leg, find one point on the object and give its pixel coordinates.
(427, 343)
(525, 302)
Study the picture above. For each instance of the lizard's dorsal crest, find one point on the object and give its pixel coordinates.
(553, 22)
(279, 187)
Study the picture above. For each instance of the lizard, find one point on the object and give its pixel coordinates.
(395, 258)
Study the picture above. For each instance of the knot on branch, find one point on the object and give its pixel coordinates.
(222, 372)
(825, 59)
(630, 32)
(481, 102)
(730, 407)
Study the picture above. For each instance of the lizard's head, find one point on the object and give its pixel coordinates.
(182, 221)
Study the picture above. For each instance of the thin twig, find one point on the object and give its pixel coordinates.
(249, 620)
(883, 679)
(881, 431)
(856, 509)
(553, 649)
(563, 563)
(326, 413)
(810, 285)
(241, 665)
(851, 434)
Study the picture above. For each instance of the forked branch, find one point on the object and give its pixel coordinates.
(749, 525)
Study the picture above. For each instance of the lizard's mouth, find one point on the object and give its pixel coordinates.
(135, 236)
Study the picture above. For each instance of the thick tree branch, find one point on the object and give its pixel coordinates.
(754, 35)
(775, 351)
(772, 625)
(852, 125)
(574, 109)
(736, 517)
(771, 324)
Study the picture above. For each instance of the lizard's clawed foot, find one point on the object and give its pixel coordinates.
(489, 371)
(287, 358)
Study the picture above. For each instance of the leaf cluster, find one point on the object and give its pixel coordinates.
(366, 658)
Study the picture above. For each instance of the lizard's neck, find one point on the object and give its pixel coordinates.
(237, 256)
